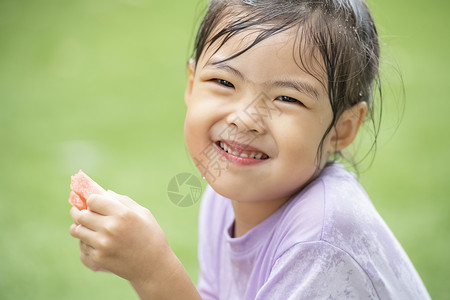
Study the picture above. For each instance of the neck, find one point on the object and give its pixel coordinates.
(249, 214)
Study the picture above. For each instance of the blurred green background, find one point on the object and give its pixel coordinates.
(98, 85)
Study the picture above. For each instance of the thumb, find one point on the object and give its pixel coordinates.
(124, 199)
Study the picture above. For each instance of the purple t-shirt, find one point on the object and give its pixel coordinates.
(327, 242)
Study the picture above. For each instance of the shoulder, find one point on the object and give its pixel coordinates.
(324, 206)
(327, 273)
(334, 209)
(342, 225)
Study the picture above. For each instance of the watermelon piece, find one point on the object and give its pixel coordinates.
(82, 187)
(76, 201)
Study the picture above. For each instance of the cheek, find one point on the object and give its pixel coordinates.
(298, 142)
(297, 134)
(197, 130)
(192, 125)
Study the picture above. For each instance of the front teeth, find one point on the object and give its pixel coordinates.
(224, 146)
(253, 154)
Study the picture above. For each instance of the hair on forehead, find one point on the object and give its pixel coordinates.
(342, 32)
(337, 38)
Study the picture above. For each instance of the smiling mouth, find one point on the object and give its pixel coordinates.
(241, 150)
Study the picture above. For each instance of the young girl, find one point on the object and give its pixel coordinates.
(275, 91)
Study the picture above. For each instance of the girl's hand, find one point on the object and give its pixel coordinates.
(118, 235)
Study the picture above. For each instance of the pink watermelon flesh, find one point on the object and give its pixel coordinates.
(76, 201)
(82, 187)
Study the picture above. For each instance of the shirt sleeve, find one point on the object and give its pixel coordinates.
(316, 270)
(206, 285)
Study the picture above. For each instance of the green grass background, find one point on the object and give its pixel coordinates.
(98, 85)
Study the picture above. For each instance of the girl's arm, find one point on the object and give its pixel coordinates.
(118, 235)
(175, 284)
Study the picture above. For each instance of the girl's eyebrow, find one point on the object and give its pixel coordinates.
(302, 87)
(225, 67)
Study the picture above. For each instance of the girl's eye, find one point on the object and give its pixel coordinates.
(223, 82)
(288, 99)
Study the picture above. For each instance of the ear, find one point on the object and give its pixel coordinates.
(347, 126)
(190, 80)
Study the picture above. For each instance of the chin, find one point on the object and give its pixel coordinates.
(240, 193)
(244, 192)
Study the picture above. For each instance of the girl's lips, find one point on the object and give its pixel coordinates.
(240, 153)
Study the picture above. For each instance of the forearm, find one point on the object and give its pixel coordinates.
(172, 282)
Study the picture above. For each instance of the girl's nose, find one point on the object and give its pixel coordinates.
(251, 116)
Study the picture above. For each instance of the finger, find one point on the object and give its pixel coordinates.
(104, 204)
(74, 213)
(84, 234)
(86, 256)
(127, 201)
(86, 249)
(88, 219)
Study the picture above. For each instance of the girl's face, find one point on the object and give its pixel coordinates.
(254, 123)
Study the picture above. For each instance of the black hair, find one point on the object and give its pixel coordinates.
(339, 34)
